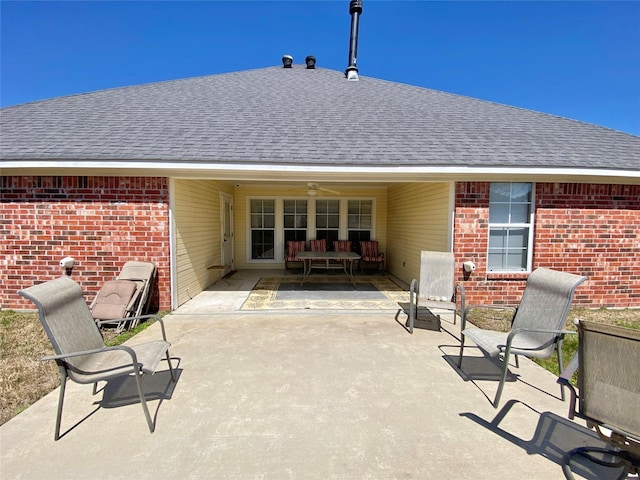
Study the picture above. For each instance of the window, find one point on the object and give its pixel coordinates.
(510, 227)
(328, 220)
(272, 222)
(295, 220)
(262, 229)
(359, 222)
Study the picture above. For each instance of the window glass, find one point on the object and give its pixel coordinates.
(328, 220)
(262, 229)
(295, 220)
(360, 221)
(510, 228)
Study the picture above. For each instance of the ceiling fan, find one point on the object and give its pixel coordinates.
(313, 188)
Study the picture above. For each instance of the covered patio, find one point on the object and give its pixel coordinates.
(309, 394)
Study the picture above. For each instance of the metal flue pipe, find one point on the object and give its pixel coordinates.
(355, 9)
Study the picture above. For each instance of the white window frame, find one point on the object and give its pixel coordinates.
(250, 229)
(529, 225)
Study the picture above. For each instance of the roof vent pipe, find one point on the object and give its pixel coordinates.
(311, 62)
(355, 9)
(287, 61)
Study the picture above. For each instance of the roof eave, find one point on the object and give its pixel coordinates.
(352, 174)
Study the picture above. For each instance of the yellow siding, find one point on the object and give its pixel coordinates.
(409, 218)
(295, 191)
(196, 214)
(419, 215)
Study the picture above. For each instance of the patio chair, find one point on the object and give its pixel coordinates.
(127, 296)
(79, 349)
(608, 394)
(369, 254)
(293, 247)
(341, 246)
(537, 327)
(434, 290)
(318, 245)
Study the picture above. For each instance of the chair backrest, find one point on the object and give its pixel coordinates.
(436, 275)
(369, 248)
(342, 246)
(113, 299)
(65, 316)
(318, 245)
(134, 270)
(545, 304)
(295, 246)
(608, 380)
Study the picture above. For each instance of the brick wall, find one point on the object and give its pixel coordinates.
(587, 229)
(101, 222)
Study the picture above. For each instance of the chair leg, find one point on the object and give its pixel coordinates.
(560, 367)
(143, 401)
(173, 377)
(412, 317)
(461, 350)
(63, 385)
(503, 379)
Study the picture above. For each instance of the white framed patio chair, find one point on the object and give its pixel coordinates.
(537, 327)
(434, 290)
(608, 395)
(80, 351)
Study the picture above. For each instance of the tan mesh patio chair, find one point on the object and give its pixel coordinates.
(537, 328)
(79, 349)
(434, 290)
(608, 394)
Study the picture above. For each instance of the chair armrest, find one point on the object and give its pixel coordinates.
(141, 317)
(517, 331)
(94, 351)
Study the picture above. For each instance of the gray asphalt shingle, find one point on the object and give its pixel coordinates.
(297, 116)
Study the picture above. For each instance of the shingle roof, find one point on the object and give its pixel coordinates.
(277, 116)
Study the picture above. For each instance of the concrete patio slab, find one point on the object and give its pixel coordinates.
(301, 395)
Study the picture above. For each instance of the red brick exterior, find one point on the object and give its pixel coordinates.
(587, 229)
(101, 222)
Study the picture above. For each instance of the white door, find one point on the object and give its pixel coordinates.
(227, 232)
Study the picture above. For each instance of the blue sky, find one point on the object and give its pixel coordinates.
(577, 59)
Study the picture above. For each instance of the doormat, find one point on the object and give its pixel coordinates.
(325, 293)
